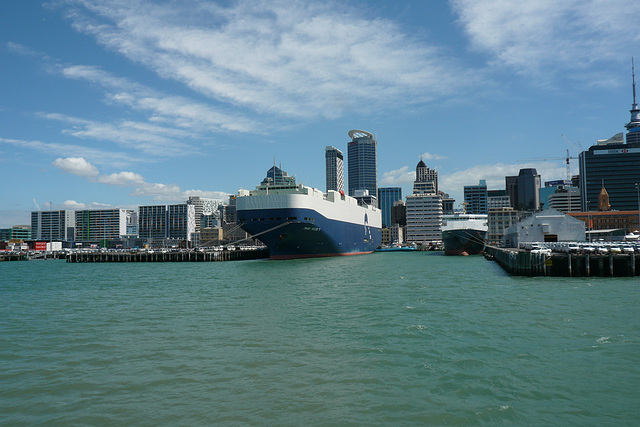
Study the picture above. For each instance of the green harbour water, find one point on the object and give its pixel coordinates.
(381, 339)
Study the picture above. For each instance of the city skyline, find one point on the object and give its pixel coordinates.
(121, 104)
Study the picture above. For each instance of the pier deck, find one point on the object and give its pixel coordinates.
(520, 262)
(182, 256)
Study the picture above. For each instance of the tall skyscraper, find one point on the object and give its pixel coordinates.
(633, 136)
(614, 165)
(426, 180)
(362, 162)
(387, 196)
(528, 190)
(334, 168)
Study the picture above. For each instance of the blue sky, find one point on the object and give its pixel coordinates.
(122, 103)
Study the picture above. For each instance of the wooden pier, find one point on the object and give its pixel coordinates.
(519, 262)
(181, 256)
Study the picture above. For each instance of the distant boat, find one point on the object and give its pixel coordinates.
(396, 248)
(295, 221)
(464, 234)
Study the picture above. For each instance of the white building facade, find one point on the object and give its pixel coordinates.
(424, 218)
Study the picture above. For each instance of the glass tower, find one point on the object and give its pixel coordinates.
(334, 169)
(387, 196)
(362, 162)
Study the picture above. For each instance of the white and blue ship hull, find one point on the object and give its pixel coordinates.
(310, 225)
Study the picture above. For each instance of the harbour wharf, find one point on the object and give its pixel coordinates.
(523, 262)
(178, 256)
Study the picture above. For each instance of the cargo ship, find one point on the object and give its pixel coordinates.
(296, 221)
(464, 234)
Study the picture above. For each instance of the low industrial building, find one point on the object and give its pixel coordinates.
(549, 225)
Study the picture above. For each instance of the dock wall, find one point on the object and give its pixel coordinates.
(527, 263)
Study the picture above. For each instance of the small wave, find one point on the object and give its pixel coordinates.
(603, 340)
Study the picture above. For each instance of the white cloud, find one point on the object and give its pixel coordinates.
(286, 58)
(538, 37)
(430, 156)
(76, 166)
(397, 177)
(157, 191)
(121, 179)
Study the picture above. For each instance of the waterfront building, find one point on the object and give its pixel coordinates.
(528, 190)
(53, 225)
(362, 162)
(475, 198)
(546, 226)
(424, 218)
(387, 196)
(606, 221)
(498, 220)
(204, 207)
(497, 199)
(426, 181)
(157, 223)
(334, 168)
(17, 232)
(101, 225)
(565, 199)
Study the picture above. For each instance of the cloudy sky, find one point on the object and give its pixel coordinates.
(125, 102)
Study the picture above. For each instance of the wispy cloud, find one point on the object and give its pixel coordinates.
(177, 111)
(148, 138)
(282, 58)
(539, 37)
(102, 157)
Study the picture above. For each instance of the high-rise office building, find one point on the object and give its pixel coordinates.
(334, 168)
(53, 225)
(387, 196)
(103, 224)
(424, 218)
(158, 222)
(203, 207)
(475, 197)
(362, 162)
(497, 199)
(426, 180)
(616, 166)
(528, 190)
(511, 188)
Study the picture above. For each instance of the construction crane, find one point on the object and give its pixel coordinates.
(579, 150)
(36, 203)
